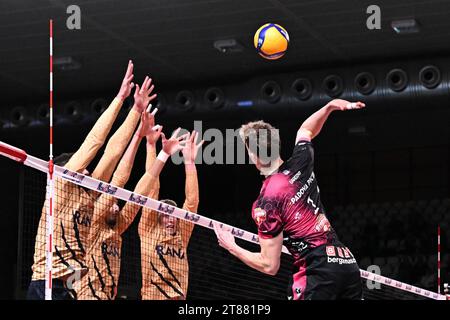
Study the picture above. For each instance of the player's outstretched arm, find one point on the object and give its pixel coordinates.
(97, 136)
(190, 152)
(120, 139)
(312, 126)
(170, 147)
(147, 185)
(191, 202)
(266, 261)
(123, 171)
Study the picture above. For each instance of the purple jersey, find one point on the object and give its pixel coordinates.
(289, 201)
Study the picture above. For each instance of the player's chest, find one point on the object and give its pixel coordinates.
(170, 248)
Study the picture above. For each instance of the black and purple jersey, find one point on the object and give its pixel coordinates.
(290, 202)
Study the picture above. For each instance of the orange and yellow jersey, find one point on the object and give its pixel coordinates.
(73, 205)
(104, 252)
(164, 261)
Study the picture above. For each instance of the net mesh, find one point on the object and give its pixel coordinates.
(117, 268)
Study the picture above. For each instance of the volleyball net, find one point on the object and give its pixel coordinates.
(118, 244)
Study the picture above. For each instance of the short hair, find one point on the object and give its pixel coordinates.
(62, 159)
(259, 136)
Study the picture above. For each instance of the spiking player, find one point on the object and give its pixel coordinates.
(289, 208)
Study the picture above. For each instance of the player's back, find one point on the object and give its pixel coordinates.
(290, 200)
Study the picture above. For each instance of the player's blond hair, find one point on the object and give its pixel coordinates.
(260, 135)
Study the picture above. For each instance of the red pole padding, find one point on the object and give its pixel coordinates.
(12, 152)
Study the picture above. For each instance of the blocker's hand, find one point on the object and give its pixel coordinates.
(174, 144)
(147, 126)
(142, 96)
(225, 238)
(190, 150)
(340, 104)
(127, 85)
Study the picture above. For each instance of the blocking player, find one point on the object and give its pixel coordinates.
(164, 239)
(109, 223)
(74, 205)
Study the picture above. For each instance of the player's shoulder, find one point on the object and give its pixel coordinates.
(276, 183)
(303, 151)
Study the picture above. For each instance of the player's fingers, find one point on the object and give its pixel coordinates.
(149, 107)
(150, 89)
(129, 69)
(143, 88)
(184, 138)
(153, 97)
(175, 133)
(149, 82)
(200, 143)
(129, 78)
(136, 92)
(144, 84)
(360, 104)
(154, 111)
(350, 106)
(216, 230)
(193, 136)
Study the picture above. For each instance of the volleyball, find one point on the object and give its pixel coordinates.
(271, 41)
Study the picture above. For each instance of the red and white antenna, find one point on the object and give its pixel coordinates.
(439, 260)
(49, 235)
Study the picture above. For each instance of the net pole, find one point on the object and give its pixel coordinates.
(439, 260)
(50, 191)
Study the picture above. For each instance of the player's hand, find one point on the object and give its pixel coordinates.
(224, 237)
(340, 104)
(154, 134)
(190, 150)
(147, 126)
(142, 95)
(174, 144)
(127, 85)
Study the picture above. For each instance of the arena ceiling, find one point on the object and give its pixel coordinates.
(173, 40)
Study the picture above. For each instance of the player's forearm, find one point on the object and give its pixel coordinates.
(312, 126)
(150, 160)
(115, 147)
(151, 155)
(126, 216)
(191, 188)
(123, 171)
(254, 260)
(156, 168)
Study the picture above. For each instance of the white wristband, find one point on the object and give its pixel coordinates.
(163, 156)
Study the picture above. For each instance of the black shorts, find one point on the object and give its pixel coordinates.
(328, 272)
(36, 290)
